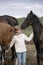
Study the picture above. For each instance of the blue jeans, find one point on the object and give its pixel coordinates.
(21, 58)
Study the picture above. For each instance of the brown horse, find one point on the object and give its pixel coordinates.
(6, 33)
(11, 21)
(33, 20)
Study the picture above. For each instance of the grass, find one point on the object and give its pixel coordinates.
(31, 55)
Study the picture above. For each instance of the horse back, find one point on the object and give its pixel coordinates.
(9, 20)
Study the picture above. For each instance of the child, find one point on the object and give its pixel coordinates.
(20, 47)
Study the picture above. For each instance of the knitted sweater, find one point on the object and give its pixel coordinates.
(19, 41)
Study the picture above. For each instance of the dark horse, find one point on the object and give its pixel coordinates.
(11, 21)
(33, 20)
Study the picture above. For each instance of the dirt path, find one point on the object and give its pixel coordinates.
(31, 56)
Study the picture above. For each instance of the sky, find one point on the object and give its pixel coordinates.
(20, 8)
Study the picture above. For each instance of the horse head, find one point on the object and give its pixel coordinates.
(28, 21)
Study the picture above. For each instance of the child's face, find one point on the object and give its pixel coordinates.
(18, 31)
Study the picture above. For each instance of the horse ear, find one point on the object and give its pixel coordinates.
(31, 12)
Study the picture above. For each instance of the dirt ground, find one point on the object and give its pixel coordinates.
(31, 56)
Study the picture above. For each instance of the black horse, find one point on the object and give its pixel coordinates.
(10, 21)
(33, 20)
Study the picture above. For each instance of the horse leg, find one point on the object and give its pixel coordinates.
(38, 54)
(0, 54)
(13, 52)
(3, 57)
(38, 58)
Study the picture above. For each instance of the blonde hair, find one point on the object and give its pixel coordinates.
(16, 28)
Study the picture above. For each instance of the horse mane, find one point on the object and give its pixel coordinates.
(37, 21)
(37, 18)
(11, 17)
(9, 20)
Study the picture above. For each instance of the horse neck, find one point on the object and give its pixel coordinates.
(37, 27)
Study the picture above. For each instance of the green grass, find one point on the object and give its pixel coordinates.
(41, 20)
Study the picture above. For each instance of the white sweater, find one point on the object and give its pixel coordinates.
(19, 41)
